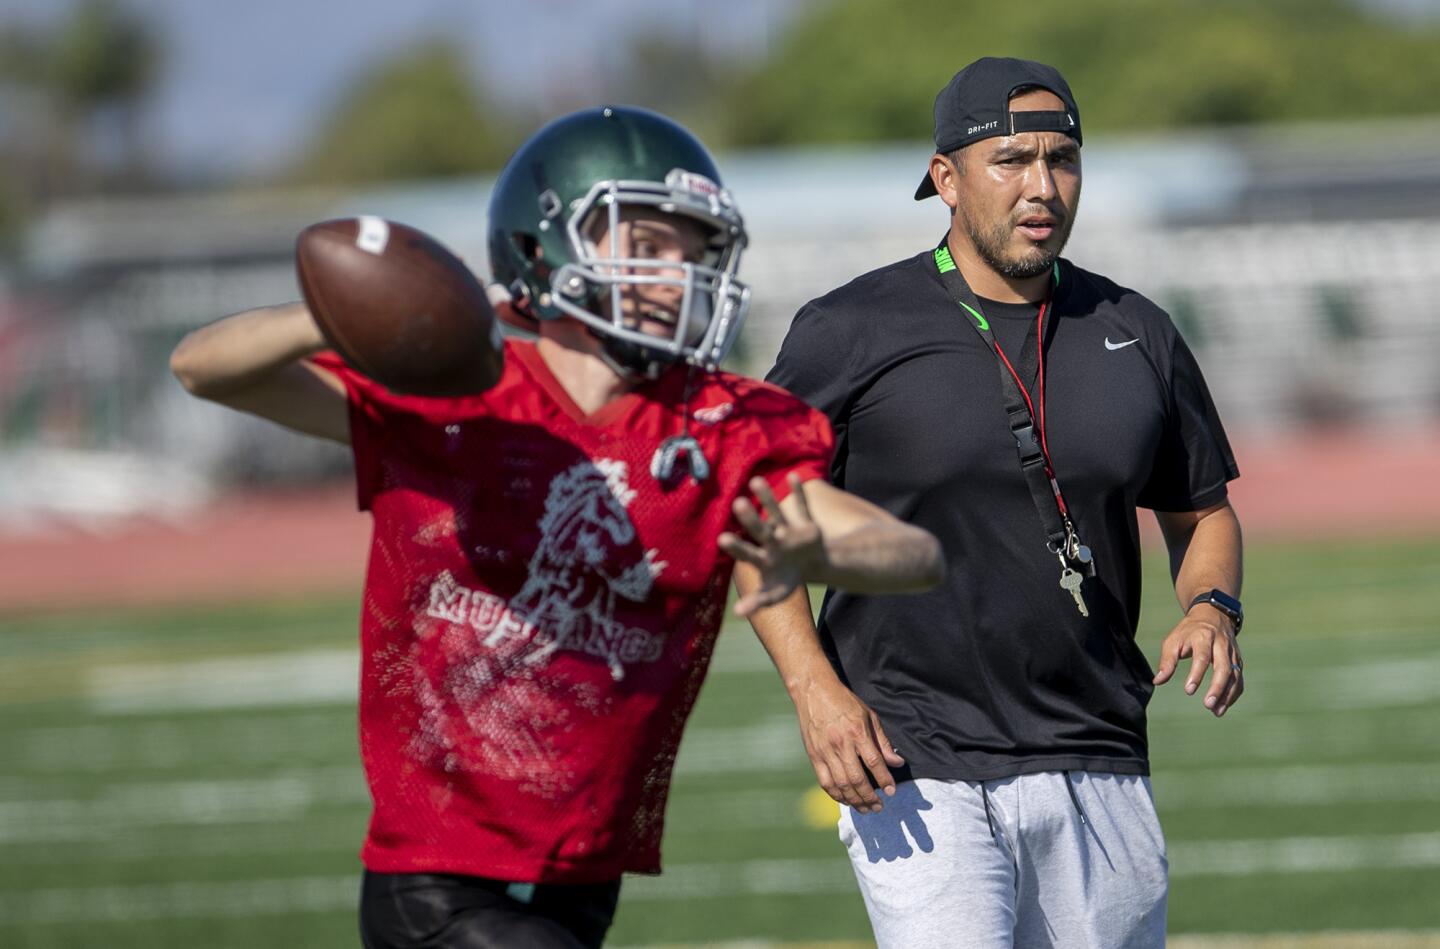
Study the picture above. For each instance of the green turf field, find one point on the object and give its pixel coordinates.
(191, 778)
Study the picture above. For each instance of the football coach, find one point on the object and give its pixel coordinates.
(1021, 409)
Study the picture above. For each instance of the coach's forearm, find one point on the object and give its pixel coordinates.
(787, 631)
(883, 555)
(238, 351)
(843, 737)
(1205, 554)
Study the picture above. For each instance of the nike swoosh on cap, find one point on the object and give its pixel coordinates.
(1113, 346)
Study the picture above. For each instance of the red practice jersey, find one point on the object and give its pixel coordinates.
(540, 609)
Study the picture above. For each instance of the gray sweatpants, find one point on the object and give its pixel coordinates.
(1058, 859)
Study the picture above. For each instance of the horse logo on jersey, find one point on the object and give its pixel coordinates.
(585, 560)
(486, 704)
(588, 559)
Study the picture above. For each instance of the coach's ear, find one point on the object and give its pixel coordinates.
(943, 172)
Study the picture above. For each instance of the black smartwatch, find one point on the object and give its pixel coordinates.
(1223, 602)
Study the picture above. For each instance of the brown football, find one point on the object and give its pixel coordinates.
(399, 307)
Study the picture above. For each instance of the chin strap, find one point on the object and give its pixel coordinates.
(631, 360)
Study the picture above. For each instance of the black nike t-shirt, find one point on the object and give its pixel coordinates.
(995, 673)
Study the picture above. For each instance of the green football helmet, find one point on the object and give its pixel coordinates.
(546, 207)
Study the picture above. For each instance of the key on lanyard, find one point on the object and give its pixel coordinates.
(1070, 582)
(1075, 554)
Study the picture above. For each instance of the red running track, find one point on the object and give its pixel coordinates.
(1337, 484)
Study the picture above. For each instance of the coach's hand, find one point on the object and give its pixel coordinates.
(786, 551)
(841, 733)
(1206, 637)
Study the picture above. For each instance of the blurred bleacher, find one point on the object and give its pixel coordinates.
(1298, 261)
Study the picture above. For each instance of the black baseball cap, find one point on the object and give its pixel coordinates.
(976, 104)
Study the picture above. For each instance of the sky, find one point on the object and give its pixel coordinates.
(244, 83)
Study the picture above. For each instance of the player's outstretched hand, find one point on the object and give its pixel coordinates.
(786, 550)
(1207, 642)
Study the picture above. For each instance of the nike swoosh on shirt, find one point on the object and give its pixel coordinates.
(1114, 346)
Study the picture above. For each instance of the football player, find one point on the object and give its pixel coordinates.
(551, 557)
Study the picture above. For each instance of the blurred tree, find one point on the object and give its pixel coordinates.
(72, 102)
(22, 55)
(868, 70)
(674, 75)
(100, 65)
(101, 57)
(418, 116)
(16, 59)
(10, 216)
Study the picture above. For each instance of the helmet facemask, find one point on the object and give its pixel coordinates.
(592, 288)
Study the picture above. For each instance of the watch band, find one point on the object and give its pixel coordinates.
(1223, 602)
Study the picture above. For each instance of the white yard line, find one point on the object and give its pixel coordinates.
(1360, 783)
(1305, 855)
(758, 944)
(122, 806)
(1322, 940)
(330, 677)
(310, 677)
(769, 747)
(125, 744)
(683, 882)
(1382, 683)
(338, 838)
(772, 744)
(306, 677)
(1300, 785)
(752, 878)
(115, 818)
(280, 897)
(1272, 735)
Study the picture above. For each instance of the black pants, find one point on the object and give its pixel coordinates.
(447, 911)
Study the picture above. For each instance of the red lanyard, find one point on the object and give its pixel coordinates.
(1025, 415)
(1038, 418)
